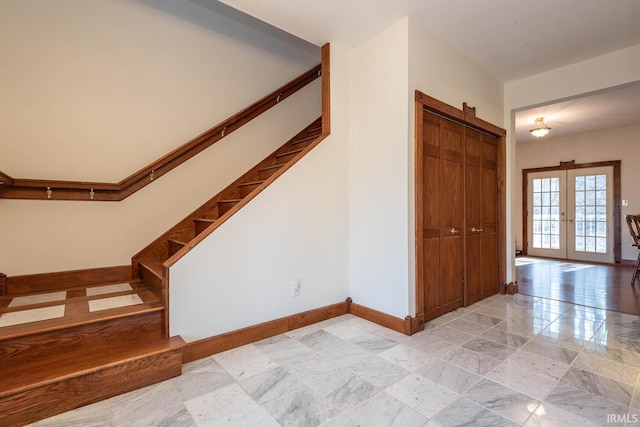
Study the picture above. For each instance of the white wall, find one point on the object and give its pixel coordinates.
(606, 71)
(296, 229)
(385, 72)
(443, 73)
(96, 90)
(378, 198)
(605, 145)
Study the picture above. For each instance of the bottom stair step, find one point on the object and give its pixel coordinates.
(68, 380)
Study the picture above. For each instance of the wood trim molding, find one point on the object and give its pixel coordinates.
(413, 325)
(208, 346)
(570, 165)
(419, 203)
(467, 115)
(326, 89)
(511, 288)
(14, 188)
(502, 212)
(409, 325)
(64, 279)
(3, 284)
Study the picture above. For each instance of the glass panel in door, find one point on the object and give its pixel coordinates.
(546, 216)
(590, 225)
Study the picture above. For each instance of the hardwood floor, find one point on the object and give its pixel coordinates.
(592, 285)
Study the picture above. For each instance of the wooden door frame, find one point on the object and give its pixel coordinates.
(467, 117)
(563, 166)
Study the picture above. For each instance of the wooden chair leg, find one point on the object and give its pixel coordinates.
(636, 267)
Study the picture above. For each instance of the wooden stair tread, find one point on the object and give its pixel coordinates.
(201, 224)
(271, 167)
(174, 246)
(210, 221)
(251, 183)
(143, 293)
(300, 141)
(61, 366)
(65, 322)
(176, 241)
(230, 201)
(154, 266)
(288, 153)
(134, 282)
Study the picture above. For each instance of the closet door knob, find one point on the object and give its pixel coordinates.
(476, 230)
(454, 231)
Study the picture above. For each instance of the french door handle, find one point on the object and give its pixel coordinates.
(454, 231)
(571, 220)
(476, 230)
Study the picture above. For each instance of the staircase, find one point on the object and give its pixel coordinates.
(97, 340)
(150, 262)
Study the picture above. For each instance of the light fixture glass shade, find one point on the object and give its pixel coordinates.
(541, 129)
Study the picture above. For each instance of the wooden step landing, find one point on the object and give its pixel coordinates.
(70, 347)
(68, 380)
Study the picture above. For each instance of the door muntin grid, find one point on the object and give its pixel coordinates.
(546, 213)
(591, 213)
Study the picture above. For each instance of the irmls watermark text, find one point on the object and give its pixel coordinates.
(622, 418)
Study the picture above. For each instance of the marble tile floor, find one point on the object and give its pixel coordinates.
(505, 361)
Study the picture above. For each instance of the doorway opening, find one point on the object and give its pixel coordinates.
(572, 211)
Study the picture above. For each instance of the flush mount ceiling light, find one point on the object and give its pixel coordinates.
(541, 129)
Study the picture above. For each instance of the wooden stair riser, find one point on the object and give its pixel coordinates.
(303, 142)
(315, 130)
(151, 279)
(92, 337)
(247, 189)
(267, 172)
(175, 246)
(226, 205)
(48, 282)
(287, 156)
(54, 397)
(202, 224)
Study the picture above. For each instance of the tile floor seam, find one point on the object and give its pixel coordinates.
(173, 385)
(111, 417)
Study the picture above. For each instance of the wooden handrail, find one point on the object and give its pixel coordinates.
(5, 179)
(14, 188)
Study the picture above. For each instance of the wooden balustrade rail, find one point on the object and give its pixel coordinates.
(14, 188)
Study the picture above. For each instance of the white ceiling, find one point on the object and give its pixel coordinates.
(612, 108)
(511, 39)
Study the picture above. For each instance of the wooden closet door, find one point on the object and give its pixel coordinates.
(443, 207)
(489, 227)
(481, 216)
(473, 216)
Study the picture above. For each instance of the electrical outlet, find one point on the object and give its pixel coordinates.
(625, 202)
(295, 288)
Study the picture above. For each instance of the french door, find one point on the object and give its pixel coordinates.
(571, 214)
